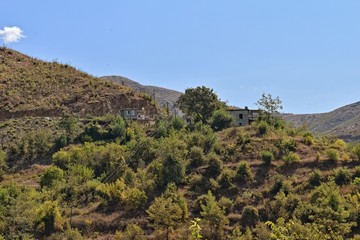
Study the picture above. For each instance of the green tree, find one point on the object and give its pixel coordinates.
(50, 216)
(131, 232)
(117, 127)
(269, 104)
(70, 125)
(165, 215)
(214, 215)
(50, 176)
(199, 103)
(221, 119)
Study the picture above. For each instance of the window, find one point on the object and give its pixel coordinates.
(132, 112)
(127, 112)
(240, 124)
(240, 116)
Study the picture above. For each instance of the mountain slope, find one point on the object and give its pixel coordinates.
(162, 95)
(31, 87)
(343, 122)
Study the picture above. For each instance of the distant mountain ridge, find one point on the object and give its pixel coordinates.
(162, 95)
(343, 122)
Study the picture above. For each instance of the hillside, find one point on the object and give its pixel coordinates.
(155, 182)
(31, 87)
(162, 95)
(343, 122)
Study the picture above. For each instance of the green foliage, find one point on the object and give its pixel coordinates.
(315, 178)
(131, 232)
(135, 199)
(196, 156)
(243, 173)
(195, 229)
(263, 128)
(342, 176)
(214, 215)
(226, 178)
(199, 103)
(3, 164)
(70, 125)
(267, 157)
(220, 120)
(269, 104)
(164, 214)
(332, 155)
(117, 127)
(290, 158)
(49, 215)
(250, 216)
(51, 176)
(214, 165)
(356, 151)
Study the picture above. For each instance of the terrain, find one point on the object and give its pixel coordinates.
(162, 95)
(31, 87)
(343, 122)
(90, 174)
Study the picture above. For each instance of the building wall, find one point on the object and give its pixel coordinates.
(241, 116)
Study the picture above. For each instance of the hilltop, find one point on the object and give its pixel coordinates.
(32, 87)
(343, 122)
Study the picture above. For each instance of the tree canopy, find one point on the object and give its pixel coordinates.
(199, 103)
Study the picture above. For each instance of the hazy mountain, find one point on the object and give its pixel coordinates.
(31, 87)
(161, 95)
(343, 122)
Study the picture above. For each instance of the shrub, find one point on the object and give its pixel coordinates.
(342, 176)
(315, 178)
(308, 140)
(243, 173)
(50, 176)
(226, 177)
(356, 151)
(250, 216)
(226, 204)
(214, 165)
(220, 120)
(263, 128)
(131, 232)
(291, 157)
(332, 155)
(340, 144)
(135, 199)
(267, 157)
(196, 156)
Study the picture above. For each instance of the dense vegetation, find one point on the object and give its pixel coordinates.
(73, 178)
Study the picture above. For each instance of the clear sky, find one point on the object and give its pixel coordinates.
(307, 52)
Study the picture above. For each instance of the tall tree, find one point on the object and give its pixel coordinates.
(165, 214)
(199, 103)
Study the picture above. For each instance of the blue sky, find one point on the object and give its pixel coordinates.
(306, 52)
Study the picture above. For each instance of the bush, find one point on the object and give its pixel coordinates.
(356, 151)
(263, 128)
(332, 155)
(267, 157)
(243, 173)
(196, 156)
(220, 120)
(131, 232)
(250, 216)
(291, 157)
(214, 165)
(342, 176)
(226, 178)
(308, 140)
(50, 176)
(340, 144)
(315, 178)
